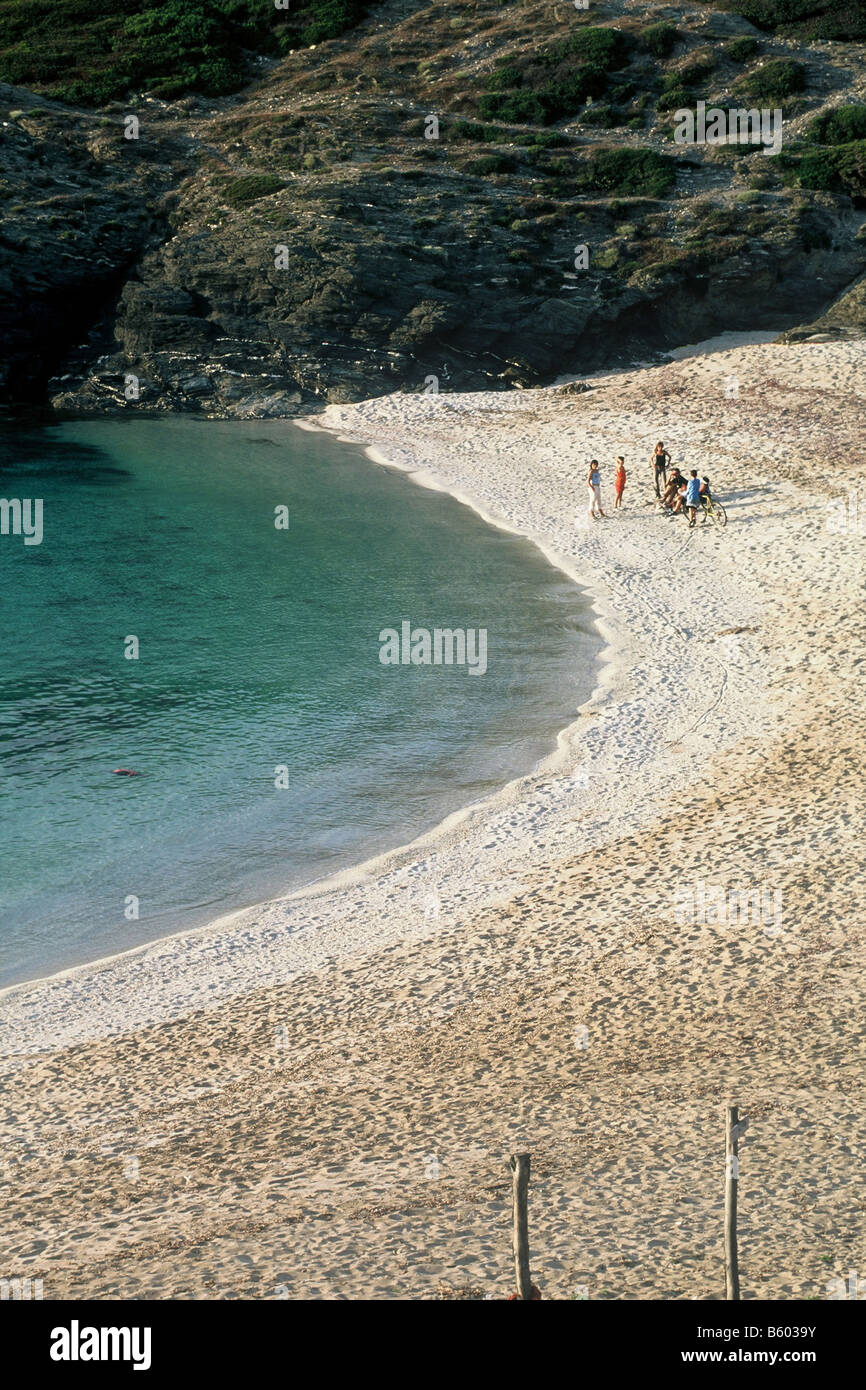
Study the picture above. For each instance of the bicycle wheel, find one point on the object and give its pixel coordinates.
(718, 514)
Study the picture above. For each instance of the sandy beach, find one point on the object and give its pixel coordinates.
(315, 1098)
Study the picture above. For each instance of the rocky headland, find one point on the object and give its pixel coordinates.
(403, 207)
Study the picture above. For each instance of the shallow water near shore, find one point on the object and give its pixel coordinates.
(258, 650)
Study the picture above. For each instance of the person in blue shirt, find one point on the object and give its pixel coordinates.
(693, 496)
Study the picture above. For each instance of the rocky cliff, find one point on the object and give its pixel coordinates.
(443, 197)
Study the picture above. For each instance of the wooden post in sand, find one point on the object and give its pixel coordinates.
(732, 1164)
(520, 1185)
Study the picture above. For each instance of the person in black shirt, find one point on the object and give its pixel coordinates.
(660, 462)
(672, 489)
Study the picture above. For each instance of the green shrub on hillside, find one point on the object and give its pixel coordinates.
(805, 19)
(832, 168)
(678, 87)
(471, 130)
(550, 103)
(628, 172)
(556, 81)
(661, 39)
(505, 75)
(546, 140)
(94, 51)
(839, 127)
(701, 66)
(600, 114)
(603, 48)
(774, 81)
(327, 19)
(570, 93)
(742, 50)
(519, 108)
(490, 164)
(675, 100)
(239, 192)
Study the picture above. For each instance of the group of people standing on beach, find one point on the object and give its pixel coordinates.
(675, 493)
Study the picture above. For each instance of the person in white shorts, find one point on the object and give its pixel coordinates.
(593, 483)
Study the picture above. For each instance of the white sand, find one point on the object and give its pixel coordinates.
(623, 746)
(473, 958)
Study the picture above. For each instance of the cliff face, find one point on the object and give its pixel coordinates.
(483, 195)
(845, 318)
(77, 212)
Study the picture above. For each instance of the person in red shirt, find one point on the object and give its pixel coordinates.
(619, 482)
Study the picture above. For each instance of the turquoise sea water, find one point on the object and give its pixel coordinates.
(258, 649)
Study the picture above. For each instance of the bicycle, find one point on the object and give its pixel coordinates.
(708, 513)
(713, 513)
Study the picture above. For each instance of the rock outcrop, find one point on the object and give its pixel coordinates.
(348, 225)
(845, 318)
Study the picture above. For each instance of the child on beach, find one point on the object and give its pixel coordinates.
(693, 495)
(619, 482)
(593, 483)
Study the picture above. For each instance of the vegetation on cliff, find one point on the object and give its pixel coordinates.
(488, 193)
(90, 52)
(544, 86)
(803, 19)
(830, 155)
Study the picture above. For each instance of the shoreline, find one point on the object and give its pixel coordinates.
(604, 663)
(617, 655)
(264, 1113)
(607, 658)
